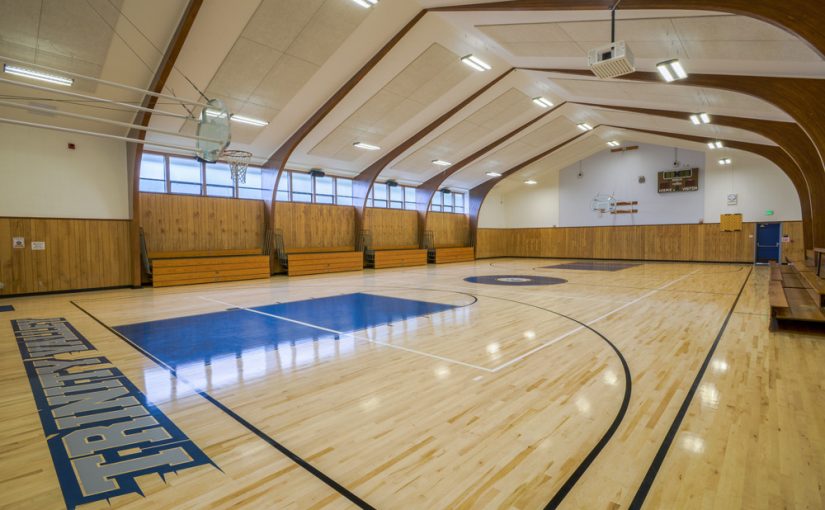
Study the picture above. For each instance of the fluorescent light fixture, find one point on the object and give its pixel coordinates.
(725, 161)
(493, 174)
(672, 70)
(37, 75)
(366, 146)
(366, 3)
(715, 145)
(613, 143)
(543, 102)
(214, 113)
(530, 182)
(476, 63)
(441, 162)
(584, 126)
(700, 118)
(248, 120)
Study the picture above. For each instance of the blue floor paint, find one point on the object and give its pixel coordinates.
(593, 266)
(517, 280)
(199, 338)
(6, 308)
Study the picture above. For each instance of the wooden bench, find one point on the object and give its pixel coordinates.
(452, 254)
(337, 259)
(396, 256)
(793, 300)
(207, 266)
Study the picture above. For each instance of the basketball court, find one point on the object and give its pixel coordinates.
(411, 254)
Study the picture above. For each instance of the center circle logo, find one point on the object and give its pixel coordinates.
(514, 279)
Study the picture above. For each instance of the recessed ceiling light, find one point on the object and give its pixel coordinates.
(493, 174)
(37, 75)
(543, 102)
(700, 118)
(715, 145)
(584, 126)
(366, 146)
(672, 70)
(613, 143)
(530, 182)
(441, 162)
(725, 161)
(476, 63)
(247, 120)
(366, 3)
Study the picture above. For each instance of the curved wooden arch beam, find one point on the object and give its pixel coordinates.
(425, 192)
(801, 98)
(799, 17)
(479, 193)
(134, 151)
(277, 162)
(770, 152)
(788, 136)
(362, 183)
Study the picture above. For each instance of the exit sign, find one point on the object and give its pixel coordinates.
(769, 212)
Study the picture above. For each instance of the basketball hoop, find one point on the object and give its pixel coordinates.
(238, 162)
(603, 203)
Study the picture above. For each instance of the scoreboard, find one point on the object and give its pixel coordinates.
(672, 181)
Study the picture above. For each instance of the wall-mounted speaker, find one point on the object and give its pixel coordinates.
(317, 172)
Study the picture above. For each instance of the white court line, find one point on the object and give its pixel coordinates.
(576, 330)
(413, 351)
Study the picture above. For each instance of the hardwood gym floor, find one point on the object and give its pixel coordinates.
(441, 393)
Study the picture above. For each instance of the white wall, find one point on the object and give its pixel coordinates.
(563, 199)
(40, 177)
(760, 184)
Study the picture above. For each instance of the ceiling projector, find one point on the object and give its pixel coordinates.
(611, 61)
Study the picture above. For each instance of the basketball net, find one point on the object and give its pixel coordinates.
(238, 162)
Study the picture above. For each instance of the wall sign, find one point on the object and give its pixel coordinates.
(38, 245)
(101, 431)
(733, 198)
(18, 243)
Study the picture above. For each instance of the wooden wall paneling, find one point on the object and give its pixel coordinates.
(794, 250)
(392, 227)
(79, 254)
(449, 229)
(192, 223)
(316, 225)
(276, 164)
(799, 17)
(362, 183)
(492, 242)
(809, 183)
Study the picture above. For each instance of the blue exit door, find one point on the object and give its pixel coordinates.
(768, 242)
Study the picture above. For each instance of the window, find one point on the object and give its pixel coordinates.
(436, 203)
(283, 188)
(185, 176)
(458, 203)
(325, 190)
(452, 202)
(301, 187)
(379, 194)
(409, 198)
(253, 187)
(447, 202)
(153, 173)
(343, 189)
(219, 180)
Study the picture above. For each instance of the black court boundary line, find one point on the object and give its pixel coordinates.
(653, 470)
(340, 489)
(571, 481)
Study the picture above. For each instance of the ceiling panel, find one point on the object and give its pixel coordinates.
(460, 140)
(431, 75)
(280, 49)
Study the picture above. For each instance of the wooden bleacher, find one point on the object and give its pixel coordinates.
(207, 266)
(446, 254)
(452, 254)
(317, 260)
(797, 297)
(396, 256)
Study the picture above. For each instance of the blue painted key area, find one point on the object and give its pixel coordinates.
(202, 337)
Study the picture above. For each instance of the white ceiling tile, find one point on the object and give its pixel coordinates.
(283, 81)
(277, 23)
(243, 69)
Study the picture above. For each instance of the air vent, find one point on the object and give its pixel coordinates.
(611, 61)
